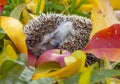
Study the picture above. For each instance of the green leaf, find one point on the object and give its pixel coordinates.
(2, 34)
(116, 65)
(8, 54)
(26, 75)
(22, 58)
(13, 2)
(44, 81)
(55, 6)
(80, 55)
(80, 13)
(38, 7)
(48, 67)
(107, 63)
(73, 79)
(17, 11)
(72, 6)
(10, 72)
(86, 76)
(5, 68)
(98, 75)
(15, 72)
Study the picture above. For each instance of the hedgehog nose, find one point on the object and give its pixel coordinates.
(56, 44)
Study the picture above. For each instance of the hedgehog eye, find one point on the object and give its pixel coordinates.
(56, 45)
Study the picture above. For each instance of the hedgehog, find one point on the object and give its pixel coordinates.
(49, 31)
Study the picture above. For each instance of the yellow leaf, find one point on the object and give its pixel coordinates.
(8, 53)
(102, 16)
(14, 30)
(107, 10)
(61, 73)
(107, 63)
(69, 60)
(33, 16)
(88, 5)
(26, 16)
(35, 5)
(68, 70)
(98, 20)
(115, 4)
(80, 55)
(85, 77)
(112, 81)
(65, 1)
(8, 42)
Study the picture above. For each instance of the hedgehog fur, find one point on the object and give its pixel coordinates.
(47, 23)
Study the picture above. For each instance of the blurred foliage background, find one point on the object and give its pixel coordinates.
(54, 6)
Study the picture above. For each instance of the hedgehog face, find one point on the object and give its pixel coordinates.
(56, 38)
(50, 41)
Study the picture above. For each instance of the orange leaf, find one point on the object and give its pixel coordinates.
(113, 54)
(106, 43)
(3, 2)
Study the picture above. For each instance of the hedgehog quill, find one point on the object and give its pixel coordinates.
(50, 31)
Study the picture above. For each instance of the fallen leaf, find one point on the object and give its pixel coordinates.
(33, 16)
(86, 76)
(10, 71)
(72, 79)
(101, 74)
(115, 4)
(107, 10)
(8, 53)
(35, 6)
(26, 16)
(2, 34)
(47, 67)
(88, 5)
(43, 81)
(66, 71)
(15, 13)
(107, 64)
(61, 73)
(105, 43)
(14, 30)
(2, 3)
(102, 16)
(78, 54)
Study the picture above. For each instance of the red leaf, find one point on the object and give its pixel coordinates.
(31, 59)
(106, 43)
(2, 3)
